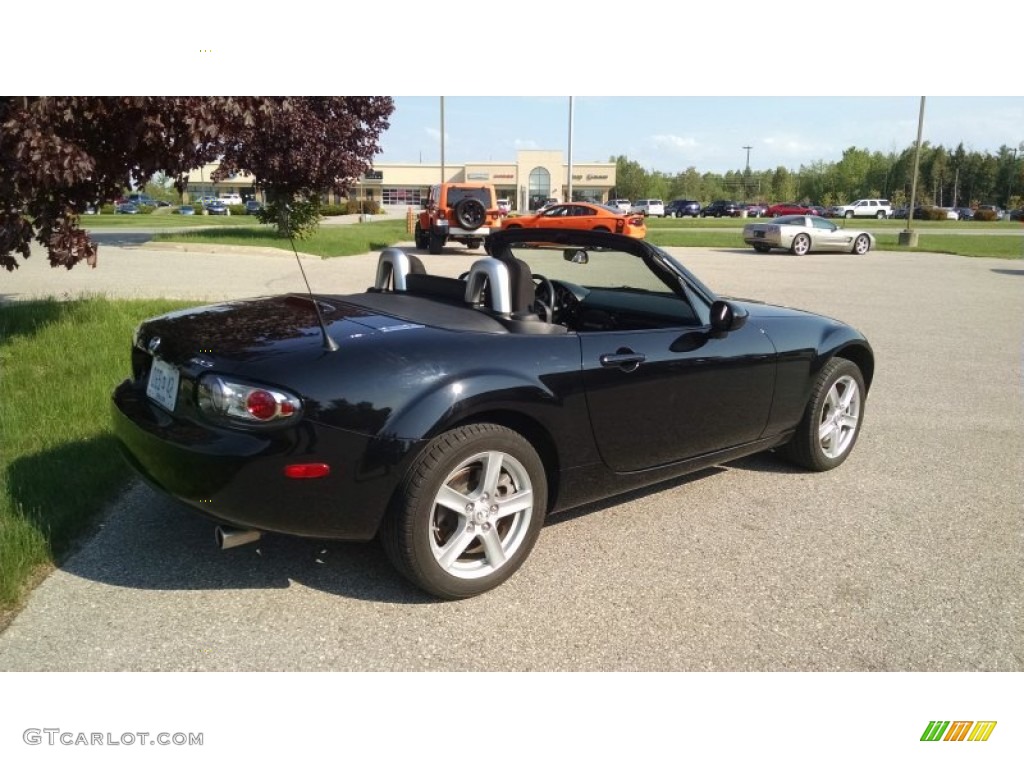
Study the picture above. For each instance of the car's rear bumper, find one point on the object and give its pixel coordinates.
(238, 477)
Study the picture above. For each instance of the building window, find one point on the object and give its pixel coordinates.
(403, 196)
(540, 187)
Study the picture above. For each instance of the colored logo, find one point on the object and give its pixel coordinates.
(958, 730)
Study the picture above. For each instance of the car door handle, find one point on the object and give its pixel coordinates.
(626, 359)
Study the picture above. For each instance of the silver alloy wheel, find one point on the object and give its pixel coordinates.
(801, 244)
(861, 245)
(840, 415)
(481, 515)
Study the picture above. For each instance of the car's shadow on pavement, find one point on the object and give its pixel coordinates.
(1009, 271)
(149, 541)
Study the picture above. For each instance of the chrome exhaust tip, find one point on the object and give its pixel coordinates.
(228, 537)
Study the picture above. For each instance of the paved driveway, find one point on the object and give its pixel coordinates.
(908, 557)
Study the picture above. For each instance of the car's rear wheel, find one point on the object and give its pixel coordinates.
(760, 248)
(861, 245)
(469, 512)
(474, 244)
(801, 245)
(831, 423)
(435, 243)
(601, 229)
(421, 237)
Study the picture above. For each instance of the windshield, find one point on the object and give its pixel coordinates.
(481, 194)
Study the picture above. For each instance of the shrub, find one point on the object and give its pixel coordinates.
(933, 213)
(333, 210)
(107, 208)
(362, 206)
(984, 214)
(147, 208)
(237, 210)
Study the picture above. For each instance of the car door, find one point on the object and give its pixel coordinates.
(667, 394)
(826, 235)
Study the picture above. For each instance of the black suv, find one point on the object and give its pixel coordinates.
(680, 208)
(721, 208)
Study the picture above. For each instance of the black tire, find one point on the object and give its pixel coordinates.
(601, 229)
(831, 388)
(880, 215)
(801, 244)
(470, 213)
(474, 244)
(861, 244)
(848, 215)
(421, 237)
(762, 248)
(435, 243)
(449, 550)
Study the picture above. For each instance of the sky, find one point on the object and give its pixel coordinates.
(710, 133)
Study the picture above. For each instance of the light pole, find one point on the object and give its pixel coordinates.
(908, 236)
(746, 174)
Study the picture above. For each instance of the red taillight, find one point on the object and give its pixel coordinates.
(306, 471)
(261, 404)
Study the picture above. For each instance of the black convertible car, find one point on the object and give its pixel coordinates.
(449, 415)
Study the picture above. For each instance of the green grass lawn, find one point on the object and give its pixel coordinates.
(328, 241)
(59, 464)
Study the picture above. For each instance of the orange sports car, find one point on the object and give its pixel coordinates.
(593, 216)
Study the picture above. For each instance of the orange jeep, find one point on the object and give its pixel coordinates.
(463, 212)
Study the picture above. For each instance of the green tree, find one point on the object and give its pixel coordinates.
(59, 155)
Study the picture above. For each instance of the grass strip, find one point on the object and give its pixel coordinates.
(327, 242)
(59, 464)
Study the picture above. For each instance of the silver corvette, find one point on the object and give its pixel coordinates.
(802, 234)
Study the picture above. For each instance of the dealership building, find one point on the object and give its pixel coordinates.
(534, 176)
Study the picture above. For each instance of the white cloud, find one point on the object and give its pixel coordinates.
(669, 141)
(525, 144)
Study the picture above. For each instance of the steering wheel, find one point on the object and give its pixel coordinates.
(544, 297)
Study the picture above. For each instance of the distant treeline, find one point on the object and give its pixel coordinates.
(945, 178)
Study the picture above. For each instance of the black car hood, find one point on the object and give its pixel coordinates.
(242, 330)
(761, 310)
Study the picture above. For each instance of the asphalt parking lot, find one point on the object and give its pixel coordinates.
(907, 557)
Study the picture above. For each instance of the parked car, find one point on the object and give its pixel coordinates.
(185, 210)
(623, 205)
(1016, 215)
(787, 209)
(449, 417)
(867, 208)
(651, 207)
(162, 204)
(814, 209)
(834, 212)
(128, 208)
(720, 208)
(964, 214)
(592, 216)
(252, 207)
(504, 206)
(230, 198)
(217, 208)
(680, 208)
(140, 199)
(754, 210)
(803, 234)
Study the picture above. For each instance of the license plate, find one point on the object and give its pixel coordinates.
(162, 387)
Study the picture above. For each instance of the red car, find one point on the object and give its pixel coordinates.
(788, 209)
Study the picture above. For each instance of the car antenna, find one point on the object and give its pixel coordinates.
(329, 344)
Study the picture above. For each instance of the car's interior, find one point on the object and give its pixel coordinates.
(588, 290)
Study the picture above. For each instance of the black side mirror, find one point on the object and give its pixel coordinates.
(726, 317)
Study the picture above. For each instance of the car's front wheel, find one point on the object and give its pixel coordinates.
(801, 245)
(469, 512)
(861, 245)
(435, 243)
(832, 420)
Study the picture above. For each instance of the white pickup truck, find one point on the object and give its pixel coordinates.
(867, 209)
